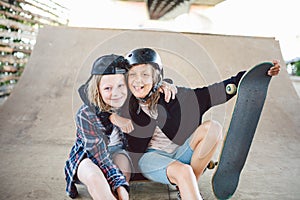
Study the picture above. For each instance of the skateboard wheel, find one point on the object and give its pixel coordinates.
(212, 164)
(230, 89)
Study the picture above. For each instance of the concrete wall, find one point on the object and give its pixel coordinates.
(37, 126)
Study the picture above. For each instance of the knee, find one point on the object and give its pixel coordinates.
(178, 171)
(213, 130)
(185, 171)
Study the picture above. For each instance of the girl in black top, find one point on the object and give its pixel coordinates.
(170, 142)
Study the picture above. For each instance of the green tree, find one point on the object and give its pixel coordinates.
(297, 65)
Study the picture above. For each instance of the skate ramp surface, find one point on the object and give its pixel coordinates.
(37, 128)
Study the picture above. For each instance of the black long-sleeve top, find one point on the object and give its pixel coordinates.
(179, 118)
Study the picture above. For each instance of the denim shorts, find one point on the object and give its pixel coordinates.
(118, 149)
(153, 164)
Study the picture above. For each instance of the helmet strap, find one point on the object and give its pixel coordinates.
(151, 92)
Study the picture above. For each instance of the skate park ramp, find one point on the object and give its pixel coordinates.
(37, 120)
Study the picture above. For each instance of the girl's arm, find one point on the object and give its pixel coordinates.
(167, 88)
(216, 94)
(123, 123)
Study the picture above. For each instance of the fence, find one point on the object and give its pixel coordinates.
(20, 21)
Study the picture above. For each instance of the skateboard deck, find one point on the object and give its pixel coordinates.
(251, 95)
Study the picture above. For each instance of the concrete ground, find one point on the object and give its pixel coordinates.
(37, 128)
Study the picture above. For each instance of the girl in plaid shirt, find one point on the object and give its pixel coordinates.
(99, 144)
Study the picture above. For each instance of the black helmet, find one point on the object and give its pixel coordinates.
(145, 56)
(104, 65)
(110, 64)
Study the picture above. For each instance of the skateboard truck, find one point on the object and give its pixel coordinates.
(212, 164)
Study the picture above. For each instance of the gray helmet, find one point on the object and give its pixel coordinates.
(110, 64)
(145, 56)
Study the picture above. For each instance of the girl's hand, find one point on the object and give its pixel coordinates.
(123, 123)
(169, 90)
(274, 71)
(122, 193)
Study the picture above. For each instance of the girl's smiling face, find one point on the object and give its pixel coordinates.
(140, 81)
(113, 90)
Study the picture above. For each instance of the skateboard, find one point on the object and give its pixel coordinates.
(251, 95)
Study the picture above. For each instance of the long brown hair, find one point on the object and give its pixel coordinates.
(153, 99)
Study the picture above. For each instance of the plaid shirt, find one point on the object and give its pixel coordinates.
(91, 142)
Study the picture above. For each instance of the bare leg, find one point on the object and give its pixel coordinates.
(123, 163)
(204, 142)
(183, 176)
(92, 176)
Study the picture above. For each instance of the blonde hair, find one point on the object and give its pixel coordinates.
(94, 94)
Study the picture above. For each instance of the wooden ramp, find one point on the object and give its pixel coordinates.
(37, 121)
